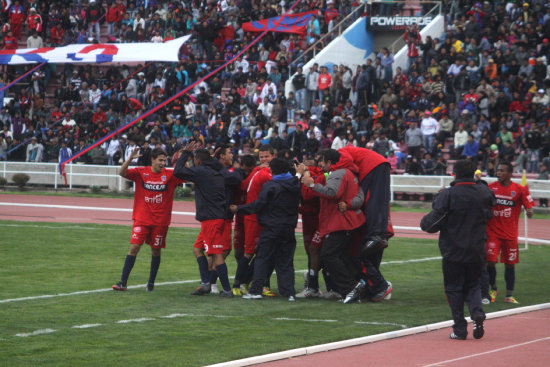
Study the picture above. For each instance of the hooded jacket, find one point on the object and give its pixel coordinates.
(209, 179)
(364, 159)
(341, 185)
(277, 204)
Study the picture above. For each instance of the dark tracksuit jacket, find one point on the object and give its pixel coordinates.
(277, 213)
(460, 213)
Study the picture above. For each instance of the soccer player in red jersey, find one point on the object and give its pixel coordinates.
(253, 185)
(211, 207)
(152, 212)
(502, 229)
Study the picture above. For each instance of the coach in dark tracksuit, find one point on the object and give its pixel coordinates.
(461, 213)
(277, 211)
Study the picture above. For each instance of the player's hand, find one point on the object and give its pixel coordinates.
(135, 153)
(300, 168)
(216, 151)
(529, 213)
(342, 206)
(233, 208)
(307, 180)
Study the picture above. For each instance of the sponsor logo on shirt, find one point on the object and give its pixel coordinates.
(506, 213)
(154, 187)
(157, 199)
(505, 202)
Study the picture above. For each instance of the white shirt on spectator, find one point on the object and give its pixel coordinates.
(429, 126)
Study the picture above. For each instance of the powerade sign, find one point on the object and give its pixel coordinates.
(396, 23)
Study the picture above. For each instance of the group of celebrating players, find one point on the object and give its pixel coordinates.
(343, 197)
(335, 192)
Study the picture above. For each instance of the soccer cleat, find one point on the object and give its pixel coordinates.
(237, 292)
(120, 287)
(493, 294)
(201, 290)
(252, 296)
(291, 299)
(244, 288)
(478, 327)
(226, 294)
(266, 292)
(485, 301)
(309, 293)
(150, 287)
(214, 289)
(383, 294)
(355, 293)
(511, 299)
(457, 337)
(330, 295)
(375, 243)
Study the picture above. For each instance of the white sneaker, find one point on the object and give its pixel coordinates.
(486, 301)
(291, 299)
(214, 289)
(331, 295)
(252, 296)
(309, 293)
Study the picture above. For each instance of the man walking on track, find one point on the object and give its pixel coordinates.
(502, 230)
(460, 213)
(152, 212)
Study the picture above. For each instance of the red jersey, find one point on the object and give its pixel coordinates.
(507, 209)
(154, 195)
(253, 185)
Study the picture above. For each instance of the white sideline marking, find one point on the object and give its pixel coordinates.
(36, 332)
(402, 326)
(306, 320)
(177, 282)
(85, 326)
(141, 319)
(488, 352)
(174, 315)
(367, 339)
(92, 291)
(88, 228)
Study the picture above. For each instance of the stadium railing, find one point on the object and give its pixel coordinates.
(87, 175)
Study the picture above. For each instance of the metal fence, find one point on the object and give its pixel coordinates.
(82, 175)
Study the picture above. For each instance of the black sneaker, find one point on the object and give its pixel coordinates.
(383, 294)
(202, 290)
(150, 287)
(120, 287)
(478, 327)
(457, 337)
(226, 294)
(355, 293)
(375, 243)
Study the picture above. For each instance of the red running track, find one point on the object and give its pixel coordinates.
(515, 341)
(537, 227)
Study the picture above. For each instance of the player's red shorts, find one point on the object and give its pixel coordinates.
(252, 234)
(508, 250)
(228, 223)
(238, 232)
(310, 231)
(211, 236)
(154, 236)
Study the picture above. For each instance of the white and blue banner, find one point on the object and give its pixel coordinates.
(96, 53)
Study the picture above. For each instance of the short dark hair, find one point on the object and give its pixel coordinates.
(248, 160)
(279, 166)
(222, 150)
(463, 169)
(267, 148)
(202, 155)
(331, 155)
(507, 164)
(158, 151)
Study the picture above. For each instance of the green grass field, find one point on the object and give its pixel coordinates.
(183, 330)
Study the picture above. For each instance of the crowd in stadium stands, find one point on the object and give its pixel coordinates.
(480, 91)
